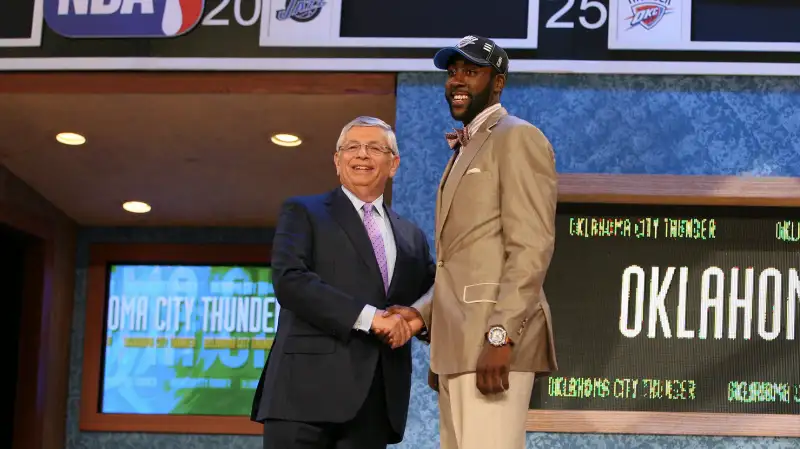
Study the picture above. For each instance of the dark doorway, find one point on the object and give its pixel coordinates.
(14, 247)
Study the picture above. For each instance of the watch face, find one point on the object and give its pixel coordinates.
(497, 335)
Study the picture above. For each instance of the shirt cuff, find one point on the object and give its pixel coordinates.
(424, 299)
(364, 321)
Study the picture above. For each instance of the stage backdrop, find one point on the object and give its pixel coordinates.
(598, 124)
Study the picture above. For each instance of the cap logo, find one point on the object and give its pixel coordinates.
(468, 40)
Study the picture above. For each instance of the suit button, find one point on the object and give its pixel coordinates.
(440, 264)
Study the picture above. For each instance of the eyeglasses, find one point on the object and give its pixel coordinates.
(373, 149)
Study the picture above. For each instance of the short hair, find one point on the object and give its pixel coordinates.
(370, 122)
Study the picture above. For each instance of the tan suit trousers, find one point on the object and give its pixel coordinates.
(470, 420)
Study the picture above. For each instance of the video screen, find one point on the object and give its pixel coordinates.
(186, 339)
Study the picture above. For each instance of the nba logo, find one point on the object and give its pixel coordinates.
(122, 18)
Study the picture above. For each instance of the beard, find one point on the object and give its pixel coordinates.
(477, 103)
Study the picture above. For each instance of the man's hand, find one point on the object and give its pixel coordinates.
(392, 329)
(410, 315)
(493, 367)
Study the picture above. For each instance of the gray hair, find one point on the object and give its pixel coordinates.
(370, 122)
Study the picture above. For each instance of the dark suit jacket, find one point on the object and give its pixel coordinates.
(324, 272)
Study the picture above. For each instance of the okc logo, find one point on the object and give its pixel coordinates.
(123, 18)
(648, 13)
(468, 40)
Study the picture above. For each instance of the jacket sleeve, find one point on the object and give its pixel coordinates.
(528, 197)
(297, 287)
(423, 304)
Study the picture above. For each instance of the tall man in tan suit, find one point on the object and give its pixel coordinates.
(488, 321)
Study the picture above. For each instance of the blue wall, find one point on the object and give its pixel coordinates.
(597, 124)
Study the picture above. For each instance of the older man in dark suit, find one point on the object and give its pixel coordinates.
(339, 372)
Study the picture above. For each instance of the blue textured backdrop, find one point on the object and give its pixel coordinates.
(597, 124)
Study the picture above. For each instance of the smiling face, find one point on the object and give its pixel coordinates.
(471, 88)
(365, 162)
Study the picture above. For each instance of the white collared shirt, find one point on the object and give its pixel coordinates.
(476, 123)
(364, 321)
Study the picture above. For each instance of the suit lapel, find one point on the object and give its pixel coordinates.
(456, 171)
(403, 253)
(346, 215)
(438, 212)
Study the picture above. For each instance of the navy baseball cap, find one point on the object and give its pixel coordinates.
(478, 50)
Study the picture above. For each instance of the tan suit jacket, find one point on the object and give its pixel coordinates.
(495, 232)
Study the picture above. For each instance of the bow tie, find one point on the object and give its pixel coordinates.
(457, 137)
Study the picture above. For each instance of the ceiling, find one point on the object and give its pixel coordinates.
(198, 158)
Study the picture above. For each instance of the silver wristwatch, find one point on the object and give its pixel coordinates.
(497, 336)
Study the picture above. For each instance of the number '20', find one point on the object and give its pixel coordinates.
(211, 20)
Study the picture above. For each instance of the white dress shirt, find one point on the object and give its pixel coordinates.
(476, 123)
(364, 321)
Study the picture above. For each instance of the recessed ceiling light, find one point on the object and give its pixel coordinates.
(286, 140)
(70, 138)
(136, 207)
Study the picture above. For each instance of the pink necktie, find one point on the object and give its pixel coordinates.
(377, 243)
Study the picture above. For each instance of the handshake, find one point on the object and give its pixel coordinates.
(397, 324)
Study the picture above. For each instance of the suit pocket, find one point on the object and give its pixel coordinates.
(483, 292)
(475, 171)
(309, 344)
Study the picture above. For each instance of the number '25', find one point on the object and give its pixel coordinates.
(553, 21)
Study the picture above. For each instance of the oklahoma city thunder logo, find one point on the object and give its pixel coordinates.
(123, 18)
(648, 13)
